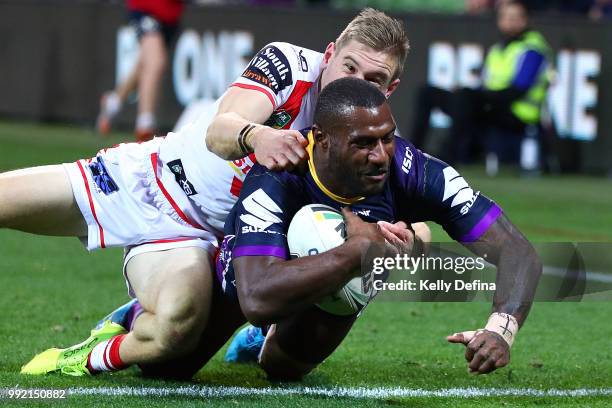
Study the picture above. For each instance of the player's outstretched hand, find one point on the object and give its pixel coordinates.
(485, 351)
(399, 235)
(279, 149)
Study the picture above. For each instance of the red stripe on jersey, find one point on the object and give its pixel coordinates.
(169, 197)
(236, 186)
(257, 88)
(294, 103)
(91, 204)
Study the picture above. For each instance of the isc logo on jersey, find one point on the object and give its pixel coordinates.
(261, 212)
(407, 162)
(455, 186)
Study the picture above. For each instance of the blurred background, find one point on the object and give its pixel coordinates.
(59, 56)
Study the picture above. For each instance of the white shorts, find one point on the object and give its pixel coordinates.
(125, 203)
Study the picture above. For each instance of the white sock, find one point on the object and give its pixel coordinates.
(112, 104)
(96, 357)
(145, 121)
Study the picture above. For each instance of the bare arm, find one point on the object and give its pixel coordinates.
(270, 288)
(238, 108)
(518, 267)
(518, 272)
(274, 148)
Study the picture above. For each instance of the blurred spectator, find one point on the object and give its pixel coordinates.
(475, 7)
(601, 9)
(595, 9)
(514, 84)
(156, 24)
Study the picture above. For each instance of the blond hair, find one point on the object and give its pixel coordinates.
(380, 32)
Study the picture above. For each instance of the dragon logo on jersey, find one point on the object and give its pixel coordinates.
(100, 175)
(270, 68)
(278, 119)
(261, 212)
(455, 186)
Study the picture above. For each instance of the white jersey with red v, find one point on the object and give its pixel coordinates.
(203, 186)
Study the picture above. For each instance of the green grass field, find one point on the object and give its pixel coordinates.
(53, 291)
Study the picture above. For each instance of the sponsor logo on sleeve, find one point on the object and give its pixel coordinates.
(176, 167)
(457, 188)
(365, 213)
(270, 68)
(260, 212)
(407, 161)
(258, 77)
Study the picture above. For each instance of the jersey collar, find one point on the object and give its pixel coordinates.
(315, 177)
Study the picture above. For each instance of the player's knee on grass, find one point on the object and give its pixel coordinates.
(172, 365)
(224, 319)
(299, 344)
(179, 325)
(178, 293)
(182, 313)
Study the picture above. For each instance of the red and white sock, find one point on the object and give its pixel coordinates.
(145, 121)
(105, 356)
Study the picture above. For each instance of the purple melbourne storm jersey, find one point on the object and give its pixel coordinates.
(419, 188)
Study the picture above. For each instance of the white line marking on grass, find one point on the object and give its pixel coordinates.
(590, 275)
(359, 392)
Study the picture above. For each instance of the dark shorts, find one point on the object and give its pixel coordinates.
(224, 268)
(145, 23)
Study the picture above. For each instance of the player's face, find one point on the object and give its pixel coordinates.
(361, 152)
(360, 61)
(511, 20)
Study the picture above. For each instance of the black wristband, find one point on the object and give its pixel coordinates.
(242, 138)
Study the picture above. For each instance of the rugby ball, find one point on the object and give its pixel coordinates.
(317, 228)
